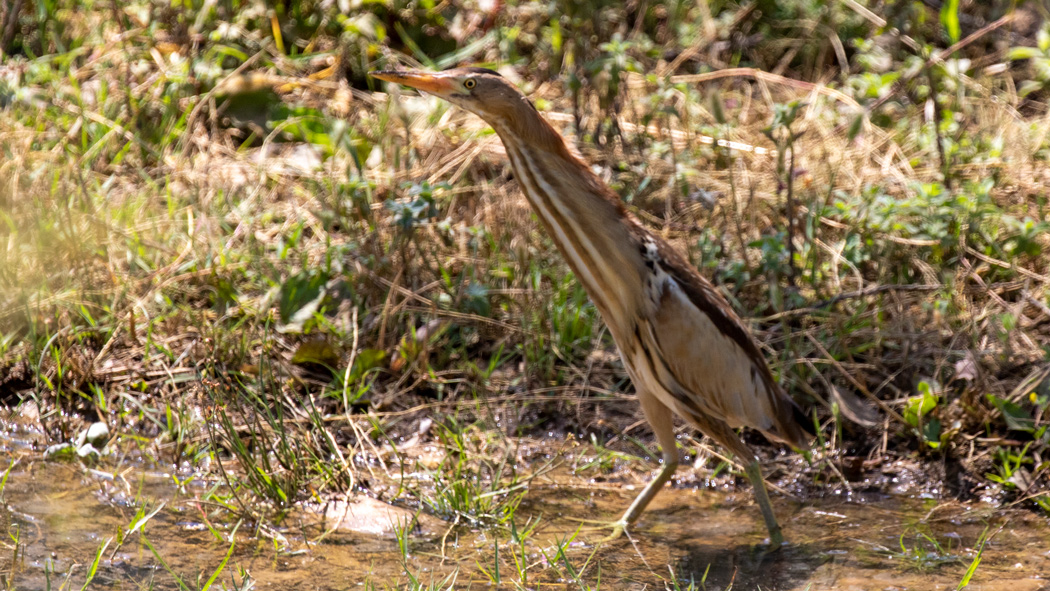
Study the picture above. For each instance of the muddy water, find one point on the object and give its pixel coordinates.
(58, 514)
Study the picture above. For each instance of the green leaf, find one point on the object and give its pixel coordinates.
(365, 361)
(318, 352)
(784, 115)
(301, 295)
(950, 19)
(919, 406)
(1022, 53)
(716, 108)
(1016, 417)
(855, 126)
(1009, 321)
(1029, 86)
(931, 433)
(981, 541)
(477, 300)
(93, 568)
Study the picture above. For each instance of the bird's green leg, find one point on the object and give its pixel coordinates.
(643, 498)
(754, 473)
(662, 422)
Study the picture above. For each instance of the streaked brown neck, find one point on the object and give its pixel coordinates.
(584, 218)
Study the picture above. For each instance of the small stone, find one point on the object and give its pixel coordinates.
(98, 434)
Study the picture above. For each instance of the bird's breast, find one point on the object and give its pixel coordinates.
(678, 353)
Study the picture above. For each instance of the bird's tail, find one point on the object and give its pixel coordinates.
(795, 427)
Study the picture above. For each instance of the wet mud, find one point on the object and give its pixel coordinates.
(58, 514)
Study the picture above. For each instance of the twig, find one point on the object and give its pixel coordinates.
(792, 274)
(118, 128)
(1006, 265)
(771, 78)
(941, 152)
(1035, 302)
(880, 22)
(11, 19)
(937, 57)
(856, 384)
(708, 35)
(741, 243)
(677, 135)
(206, 98)
(860, 293)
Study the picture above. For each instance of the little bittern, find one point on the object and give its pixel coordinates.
(684, 348)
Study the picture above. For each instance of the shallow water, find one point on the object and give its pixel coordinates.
(57, 515)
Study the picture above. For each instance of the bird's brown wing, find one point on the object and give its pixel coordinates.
(713, 358)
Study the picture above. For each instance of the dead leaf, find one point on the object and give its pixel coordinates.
(966, 368)
(857, 410)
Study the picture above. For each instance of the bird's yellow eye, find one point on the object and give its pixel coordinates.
(470, 83)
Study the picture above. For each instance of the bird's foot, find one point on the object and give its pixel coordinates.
(776, 540)
(618, 528)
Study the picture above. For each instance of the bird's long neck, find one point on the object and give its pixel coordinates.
(584, 218)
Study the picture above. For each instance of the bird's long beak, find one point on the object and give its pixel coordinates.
(418, 79)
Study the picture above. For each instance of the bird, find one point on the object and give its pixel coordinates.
(684, 348)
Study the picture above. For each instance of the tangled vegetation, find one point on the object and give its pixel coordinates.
(221, 238)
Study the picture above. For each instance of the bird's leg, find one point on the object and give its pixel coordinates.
(754, 473)
(660, 419)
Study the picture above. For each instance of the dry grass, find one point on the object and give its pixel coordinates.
(151, 227)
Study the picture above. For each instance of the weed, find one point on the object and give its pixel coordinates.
(476, 493)
(922, 551)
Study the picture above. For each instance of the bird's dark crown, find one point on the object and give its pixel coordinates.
(474, 70)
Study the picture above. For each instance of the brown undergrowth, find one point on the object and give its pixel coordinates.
(311, 270)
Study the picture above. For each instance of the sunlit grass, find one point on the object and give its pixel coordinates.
(219, 237)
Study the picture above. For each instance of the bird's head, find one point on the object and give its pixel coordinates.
(478, 90)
